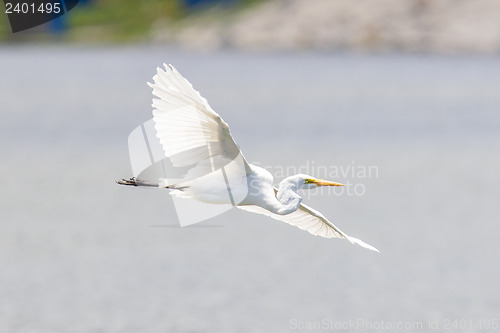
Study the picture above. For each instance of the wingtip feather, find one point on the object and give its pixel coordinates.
(359, 242)
(169, 67)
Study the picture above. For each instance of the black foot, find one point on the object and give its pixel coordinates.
(131, 182)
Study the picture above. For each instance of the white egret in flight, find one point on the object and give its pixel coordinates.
(192, 134)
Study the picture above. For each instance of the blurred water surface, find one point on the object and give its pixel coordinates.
(81, 254)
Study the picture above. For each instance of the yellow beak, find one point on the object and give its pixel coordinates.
(321, 182)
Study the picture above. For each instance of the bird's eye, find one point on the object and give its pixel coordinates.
(308, 181)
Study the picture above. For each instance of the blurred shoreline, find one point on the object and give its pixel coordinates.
(359, 26)
(421, 26)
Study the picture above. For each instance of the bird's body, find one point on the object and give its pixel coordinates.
(207, 189)
(195, 137)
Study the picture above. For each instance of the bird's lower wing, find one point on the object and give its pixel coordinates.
(310, 220)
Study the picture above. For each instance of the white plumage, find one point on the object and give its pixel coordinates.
(194, 136)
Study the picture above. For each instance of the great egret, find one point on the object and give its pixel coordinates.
(192, 134)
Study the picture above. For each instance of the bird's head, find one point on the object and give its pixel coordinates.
(309, 182)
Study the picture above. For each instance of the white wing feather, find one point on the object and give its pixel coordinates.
(310, 220)
(190, 131)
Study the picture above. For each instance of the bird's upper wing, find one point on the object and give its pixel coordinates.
(309, 219)
(191, 133)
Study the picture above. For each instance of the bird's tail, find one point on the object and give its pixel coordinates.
(136, 182)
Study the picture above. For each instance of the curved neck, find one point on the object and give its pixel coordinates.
(288, 201)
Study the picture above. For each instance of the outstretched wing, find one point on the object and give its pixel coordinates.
(310, 220)
(192, 135)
